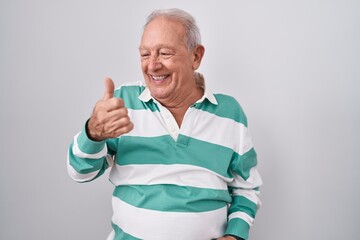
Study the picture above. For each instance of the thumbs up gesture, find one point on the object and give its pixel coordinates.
(109, 118)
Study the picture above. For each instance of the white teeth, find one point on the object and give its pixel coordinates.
(159, 78)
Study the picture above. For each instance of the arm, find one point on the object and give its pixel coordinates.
(87, 159)
(244, 188)
(88, 155)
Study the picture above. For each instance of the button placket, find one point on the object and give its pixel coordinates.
(170, 122)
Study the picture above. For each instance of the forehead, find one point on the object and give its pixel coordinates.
(163, 31)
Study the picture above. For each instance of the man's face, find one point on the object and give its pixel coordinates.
(167, 65)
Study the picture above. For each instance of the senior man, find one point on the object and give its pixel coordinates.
(181, 158)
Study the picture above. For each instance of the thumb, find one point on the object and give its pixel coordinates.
(109, 88)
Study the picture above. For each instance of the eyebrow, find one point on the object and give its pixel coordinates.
(157, 47)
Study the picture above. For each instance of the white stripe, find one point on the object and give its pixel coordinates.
(137, 83)
(178, 174)
(77, 152)
(253, 181)
(146, 123)
(169, 121)
(110, 160)
(78, 176)
(204, 126)
(157, 225)
(251, 195)
(243, 216)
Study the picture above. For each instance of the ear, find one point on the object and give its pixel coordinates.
(198, 54)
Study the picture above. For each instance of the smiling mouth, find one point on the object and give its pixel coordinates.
(159, 78)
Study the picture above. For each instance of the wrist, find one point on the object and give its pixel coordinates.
(235, 237)
(90, 133)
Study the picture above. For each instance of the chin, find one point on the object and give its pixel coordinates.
(159, 94)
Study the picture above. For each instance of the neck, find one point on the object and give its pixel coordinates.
(179, 104)
(184, 100)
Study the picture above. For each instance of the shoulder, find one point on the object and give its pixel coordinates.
(129, 88)
(229, 107)
(130, 93)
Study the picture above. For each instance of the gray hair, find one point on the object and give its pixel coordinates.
(193, 37)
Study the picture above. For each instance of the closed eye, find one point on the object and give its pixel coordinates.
(145, 55)
(165, 54)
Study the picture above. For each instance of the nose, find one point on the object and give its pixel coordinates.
(154, 64)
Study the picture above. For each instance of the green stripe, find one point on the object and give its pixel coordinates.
(242, 164)
(86, 165)
(130, 95)
(164, 150)
(242, 204)
(121, 235)
(238, 227)
(172, 198)
(112, 145)
(227, 107)
(88, 146)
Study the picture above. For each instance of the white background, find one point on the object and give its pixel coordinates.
(293, 65)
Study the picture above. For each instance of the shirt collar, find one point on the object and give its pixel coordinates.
(145, 96)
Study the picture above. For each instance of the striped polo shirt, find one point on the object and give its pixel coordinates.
(199, 181)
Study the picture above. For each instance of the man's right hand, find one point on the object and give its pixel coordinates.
(109, 118)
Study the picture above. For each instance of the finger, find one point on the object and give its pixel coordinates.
(114, 104)
(113, 118)
(125, 129)
(121, 122)
(121, 127)
(109, 88)
(117, 114)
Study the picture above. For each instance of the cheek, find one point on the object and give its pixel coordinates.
(143, 66)
(174, 66)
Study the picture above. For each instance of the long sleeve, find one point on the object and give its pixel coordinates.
(244, 188)
(87, 159)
